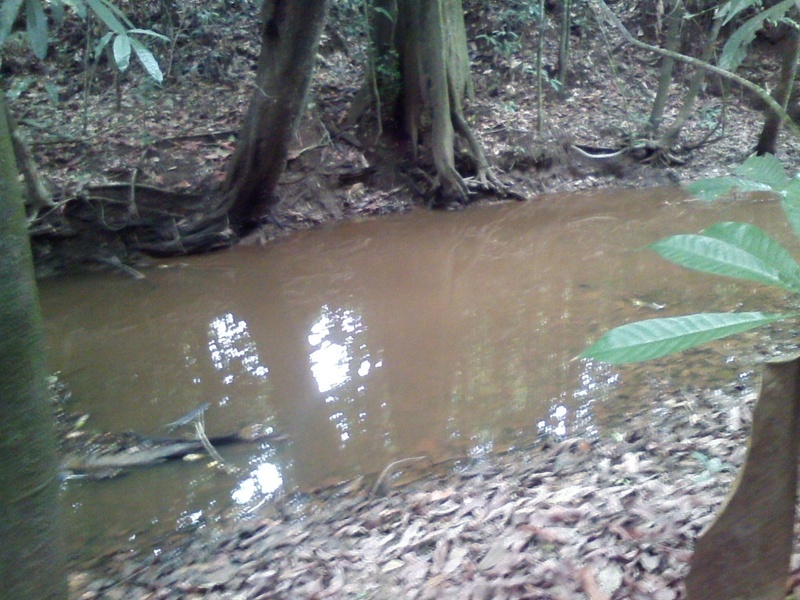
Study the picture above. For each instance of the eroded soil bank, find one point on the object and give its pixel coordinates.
(614, 517)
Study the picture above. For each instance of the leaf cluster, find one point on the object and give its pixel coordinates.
(122, 35)
(730, 249)
(735, 49)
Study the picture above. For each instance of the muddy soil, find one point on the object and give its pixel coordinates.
(614, 517)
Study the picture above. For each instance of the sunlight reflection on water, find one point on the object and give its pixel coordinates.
(433, 334)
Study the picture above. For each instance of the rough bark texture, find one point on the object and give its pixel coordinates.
(289, 38)
(746, 553)
(429, 42)
(30, 554)
(788, 49)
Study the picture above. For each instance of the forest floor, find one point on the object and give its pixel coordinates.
(605, 518)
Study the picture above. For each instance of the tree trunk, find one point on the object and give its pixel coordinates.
(563, 44)
(429, 45)
(674, 27)
(788, 49)
(31, 562)
(670, 137)
(36, 195)
(290, 33)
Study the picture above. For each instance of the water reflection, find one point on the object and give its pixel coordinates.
(260, 484)
(332, 337)
(444, 335)
(231, 343)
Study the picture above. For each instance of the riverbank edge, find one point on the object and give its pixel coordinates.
(613, 517)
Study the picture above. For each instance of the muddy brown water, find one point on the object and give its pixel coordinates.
(431, 334)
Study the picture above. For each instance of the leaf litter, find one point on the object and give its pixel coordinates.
(607, 518)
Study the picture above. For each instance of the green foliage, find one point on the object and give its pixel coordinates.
(519, 14)
(503, 42)
(514, 21)
(122, 34)
(741, 250)
(654, 338)
(731, 249)
(735, 49)
(123, 43)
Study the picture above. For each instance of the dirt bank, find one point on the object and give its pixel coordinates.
(173, 142)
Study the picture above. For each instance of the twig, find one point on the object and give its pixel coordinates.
(389, 468)
(200, 430)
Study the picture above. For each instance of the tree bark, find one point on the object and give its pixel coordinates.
(563, 44)
(31, 561)
(429, 43)
(290, 33)
(670, 137)
(789, 50)
(674, 27)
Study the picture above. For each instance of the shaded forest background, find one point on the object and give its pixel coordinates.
(119, 153)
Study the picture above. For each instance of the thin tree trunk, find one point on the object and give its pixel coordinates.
(540, 71)
(31, 560)
(670, 137)
(36, 195)
(602, 8)
(674, 27)
(563, 45)
(788, 50)
(290, 33)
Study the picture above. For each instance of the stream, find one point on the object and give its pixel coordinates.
(437, 334)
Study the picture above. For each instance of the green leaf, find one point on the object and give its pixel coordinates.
(733, 8)
(735, 49)
(148, 32)
(712, 255)
(102, 43)
(753, 240)
(655, 338)
(37, 28)
(715, 187)
(147, 59)
(107, 16)
(791, 204)
(79, 6)
(122, 51)
(764, 169)
(8, 14)
(384, 12)
(57, 10)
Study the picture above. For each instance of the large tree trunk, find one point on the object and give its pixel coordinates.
(428, 45)
(788, 49)
(290, 35)
(31, 564)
